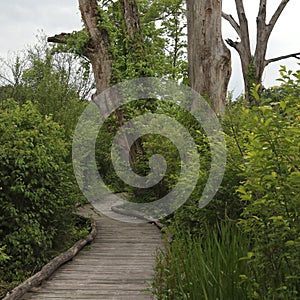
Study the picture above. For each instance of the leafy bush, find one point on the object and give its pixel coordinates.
(36, 189)
(260, 190)
(272, 194)
(226, 204)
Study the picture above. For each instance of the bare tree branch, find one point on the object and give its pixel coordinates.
(6, 80)
(277, 14)
(295, 55)
(61, 38)
(241, 15)
(232, 22)
(233, 44)
(262, 12)
(244, 29)
(262, 37)
(253, 65)
(12, 70)
(263, 34)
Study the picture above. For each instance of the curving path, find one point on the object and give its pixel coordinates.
(117, 265)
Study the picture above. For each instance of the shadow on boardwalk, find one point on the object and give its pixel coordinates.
(117, 265)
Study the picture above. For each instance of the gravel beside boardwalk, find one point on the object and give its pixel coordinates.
(117, 265)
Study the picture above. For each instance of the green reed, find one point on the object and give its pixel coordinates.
(203, 268)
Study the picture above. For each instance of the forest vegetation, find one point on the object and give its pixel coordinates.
(245, 244)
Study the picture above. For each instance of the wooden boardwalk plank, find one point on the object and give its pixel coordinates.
(117, 265)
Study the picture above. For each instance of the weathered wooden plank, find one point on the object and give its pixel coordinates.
(56, 287)
(122, 277)
(68, 293)
(92, 296)
(134, 295)
(117, 265)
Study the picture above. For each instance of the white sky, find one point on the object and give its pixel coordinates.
(20, 21)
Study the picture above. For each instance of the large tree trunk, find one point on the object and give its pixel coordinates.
(209, 59)
(100, 58)
(136, 54)
(132, 24)
(99, 54)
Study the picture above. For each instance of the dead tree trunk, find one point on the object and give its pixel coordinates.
(100, 57)
(209, 58)
(99, 54)
(253, 66)
(98, 49)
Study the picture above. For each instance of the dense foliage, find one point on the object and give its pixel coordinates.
(38, 190)
(258, 199)
(272, 194)
(244, 245)
(36, 194)
(252, 225)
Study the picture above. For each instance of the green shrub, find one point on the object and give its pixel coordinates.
(260, 190)
(36, 189)
(272, 194)
(226, 204)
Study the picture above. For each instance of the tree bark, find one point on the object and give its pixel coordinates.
(136, 54)
(209, 58)
(264, 31)
(101, 59)
(132, 22)
(99, 55)
(99, 49)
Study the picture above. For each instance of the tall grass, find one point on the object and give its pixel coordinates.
(198, 268)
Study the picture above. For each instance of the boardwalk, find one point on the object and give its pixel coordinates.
(117, 265)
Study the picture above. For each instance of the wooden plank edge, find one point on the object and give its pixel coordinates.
(52, 266)
(133, 213)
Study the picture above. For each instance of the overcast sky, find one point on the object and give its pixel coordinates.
(20, 21)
